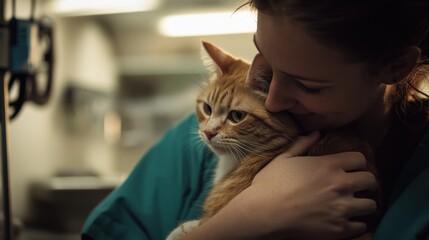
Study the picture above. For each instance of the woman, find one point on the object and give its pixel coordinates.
(333, 63)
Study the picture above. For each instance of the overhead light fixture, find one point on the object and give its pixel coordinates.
(98, 7)
(214, 23)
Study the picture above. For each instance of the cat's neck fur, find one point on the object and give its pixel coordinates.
(225, 165)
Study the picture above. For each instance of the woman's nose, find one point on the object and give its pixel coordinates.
(279, 98)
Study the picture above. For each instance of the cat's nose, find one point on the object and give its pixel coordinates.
(210, 134)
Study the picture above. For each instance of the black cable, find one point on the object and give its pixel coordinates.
(36, 95)
(22, 81)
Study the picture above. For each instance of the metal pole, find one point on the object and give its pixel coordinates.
(4, 118)
(8, 231)
(2, 10)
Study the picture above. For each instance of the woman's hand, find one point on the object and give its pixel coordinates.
(297, 197)
(312, 197)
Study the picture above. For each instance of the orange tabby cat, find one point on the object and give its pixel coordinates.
(235, 125)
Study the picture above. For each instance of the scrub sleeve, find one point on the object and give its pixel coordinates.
(168, 186)
(408, 215)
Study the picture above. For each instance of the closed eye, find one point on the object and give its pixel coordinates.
(306, 89)
(262, 79)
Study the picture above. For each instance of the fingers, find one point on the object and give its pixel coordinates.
(362, 181)
(361, 207)
(302, 144)
(349, 161)
(353, 224)
(351, 183)
(353, 229)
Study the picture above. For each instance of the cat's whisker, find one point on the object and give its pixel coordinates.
(233, 147)
(241, 153)
(196, 145)
(236, 146)
(194, 131)
(240, 150)
(255, 148)
(238, 156)
(251, 146)
(247, 146)
(263, 147)
(233, 154)
(230, 150)
(249, 150)
(196, 142)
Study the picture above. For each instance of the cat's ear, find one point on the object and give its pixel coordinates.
(221, 59)
(258, 76)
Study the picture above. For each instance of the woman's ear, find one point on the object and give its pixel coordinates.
(400, 65)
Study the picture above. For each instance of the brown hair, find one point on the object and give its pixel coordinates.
(367, 30)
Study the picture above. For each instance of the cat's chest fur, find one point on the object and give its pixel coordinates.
(225, 165)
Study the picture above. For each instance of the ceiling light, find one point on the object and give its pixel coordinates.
(215, 23)
(97, 7)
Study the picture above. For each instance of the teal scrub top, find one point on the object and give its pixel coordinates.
(170, 183)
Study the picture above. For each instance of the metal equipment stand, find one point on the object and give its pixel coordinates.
(8, 233)
(4, 121)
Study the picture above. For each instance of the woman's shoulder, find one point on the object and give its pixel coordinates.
(406, 217)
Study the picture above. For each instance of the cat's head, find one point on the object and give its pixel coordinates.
(232, 118)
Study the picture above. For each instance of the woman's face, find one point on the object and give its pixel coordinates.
(310, 80)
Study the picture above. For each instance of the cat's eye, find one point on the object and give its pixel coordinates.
(237, 116)
(207, 109)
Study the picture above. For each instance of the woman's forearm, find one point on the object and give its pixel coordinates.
(239, 219)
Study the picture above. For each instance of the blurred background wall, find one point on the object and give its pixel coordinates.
(119, 84)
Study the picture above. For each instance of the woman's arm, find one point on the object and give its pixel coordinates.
(297, 197)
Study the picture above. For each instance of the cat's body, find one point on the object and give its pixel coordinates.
(248, 145)
(235, 125)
